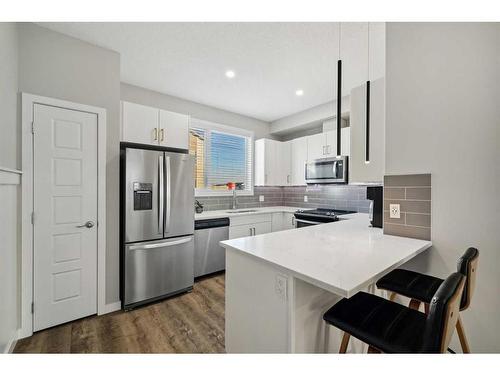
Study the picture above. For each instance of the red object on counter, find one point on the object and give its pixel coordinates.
(231, 185)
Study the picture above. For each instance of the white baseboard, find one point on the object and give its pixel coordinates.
(110, 307)
(9, 348)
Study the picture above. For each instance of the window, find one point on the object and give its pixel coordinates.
(223, 155)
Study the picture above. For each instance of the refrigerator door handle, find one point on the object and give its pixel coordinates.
(168, 182)
(161, 244)
(160, 194)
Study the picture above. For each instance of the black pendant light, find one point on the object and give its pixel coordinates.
(339, 97)
(367, 125)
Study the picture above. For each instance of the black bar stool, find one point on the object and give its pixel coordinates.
(390, 327)
(420, 288)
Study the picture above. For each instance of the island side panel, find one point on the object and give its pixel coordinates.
(257, 310)
(310, 333)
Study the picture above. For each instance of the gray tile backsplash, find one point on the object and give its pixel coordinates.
(343, 197)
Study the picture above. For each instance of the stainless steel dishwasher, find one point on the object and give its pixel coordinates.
(209, 256)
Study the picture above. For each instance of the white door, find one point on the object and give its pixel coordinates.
(140, 124)
(65, 198)
(174, 129)
(285, 163)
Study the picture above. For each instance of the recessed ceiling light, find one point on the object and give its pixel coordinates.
(230, 74)
(299, 92)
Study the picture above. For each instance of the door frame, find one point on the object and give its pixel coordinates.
(28, 102)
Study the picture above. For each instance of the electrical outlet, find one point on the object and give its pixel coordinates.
(281, 286)
(394, 211)
(305, 198)
(261, 198)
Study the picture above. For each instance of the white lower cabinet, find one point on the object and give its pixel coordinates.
(288, 220)
(249, 225)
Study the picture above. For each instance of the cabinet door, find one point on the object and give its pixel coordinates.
(331, 142)
(285, 163)
(271, 170)
(288, 220)
(238, 231)
(277, 221)
(359, 170)
(140, 124)
(262, 228)
(316, 146)
(298, 160)
(174, 129)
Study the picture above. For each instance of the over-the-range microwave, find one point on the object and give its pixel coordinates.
(327, 171)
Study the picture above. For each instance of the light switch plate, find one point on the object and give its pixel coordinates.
(394, 211)
(305, 198)
(281, 286)
(261, 198)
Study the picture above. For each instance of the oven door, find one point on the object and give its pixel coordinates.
(300, 223)
(327, 171)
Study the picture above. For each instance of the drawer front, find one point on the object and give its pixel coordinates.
(250, 219)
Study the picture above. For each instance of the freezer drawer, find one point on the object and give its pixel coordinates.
(157, 269)
(209, 255)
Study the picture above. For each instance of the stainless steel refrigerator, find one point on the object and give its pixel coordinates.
(157, 196)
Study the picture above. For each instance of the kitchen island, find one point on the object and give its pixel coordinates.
(278, 285)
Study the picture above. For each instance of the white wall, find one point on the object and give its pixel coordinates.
(8, 96)
(309, 118)
(58, 66)
(443, 117)
(9, 188)
(171, 103)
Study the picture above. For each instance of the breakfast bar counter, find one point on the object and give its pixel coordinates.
(278, 285)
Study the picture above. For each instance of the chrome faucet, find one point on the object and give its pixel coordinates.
(234, 198)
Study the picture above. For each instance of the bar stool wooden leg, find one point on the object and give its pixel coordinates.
(414, 304)
(426, 308)
(392, 297)
(344, 343)
(461, 336)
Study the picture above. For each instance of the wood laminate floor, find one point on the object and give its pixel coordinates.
(189, 323)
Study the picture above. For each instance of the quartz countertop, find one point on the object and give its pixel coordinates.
(342, 257)
(244, 211)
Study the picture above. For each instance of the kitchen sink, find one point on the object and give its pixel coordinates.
(240, 211)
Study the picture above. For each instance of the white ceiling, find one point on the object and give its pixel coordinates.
(189, 60)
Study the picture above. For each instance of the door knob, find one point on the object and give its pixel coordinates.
(88, 224)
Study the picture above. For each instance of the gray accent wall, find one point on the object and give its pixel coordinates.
(443, 117)
(413, 194)
(58, 66)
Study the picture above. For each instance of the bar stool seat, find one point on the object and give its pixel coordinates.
(385, 325)
(410, 284)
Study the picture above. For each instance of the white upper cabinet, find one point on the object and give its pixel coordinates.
(324, 145)
(316, 146)
(272, 163)
(360, 169)
(152, 126)
(139, 124)
(298, 161)
(174, 129)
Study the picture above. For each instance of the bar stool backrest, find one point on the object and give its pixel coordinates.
(467, 266)
(443, 314)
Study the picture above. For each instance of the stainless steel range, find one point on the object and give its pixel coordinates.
(305, 218)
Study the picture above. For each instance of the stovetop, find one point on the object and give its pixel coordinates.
(322, 214)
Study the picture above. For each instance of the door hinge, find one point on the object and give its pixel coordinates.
(32, 307)
(32, 127)
(32, 218)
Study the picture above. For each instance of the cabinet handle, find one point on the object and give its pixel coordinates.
(323, 150)
(287, 178)
(293, 221)
(161, 135)
(250, 231)
(155, 132)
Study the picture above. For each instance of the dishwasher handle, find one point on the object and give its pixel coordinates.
(211, 223)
